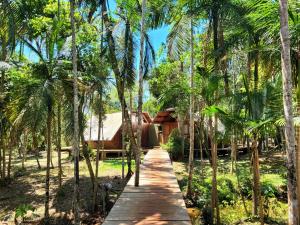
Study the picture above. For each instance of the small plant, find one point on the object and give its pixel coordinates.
(21, 212)
(226, 191)
(20, 172)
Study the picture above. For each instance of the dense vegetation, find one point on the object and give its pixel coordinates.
(231, 68)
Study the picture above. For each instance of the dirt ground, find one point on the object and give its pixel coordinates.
(28, 188)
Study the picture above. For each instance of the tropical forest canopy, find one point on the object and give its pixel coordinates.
(230, 66)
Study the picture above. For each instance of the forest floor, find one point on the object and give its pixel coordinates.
(235, 192)
(27, 189)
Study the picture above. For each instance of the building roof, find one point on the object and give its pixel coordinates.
(111, 124)
(164, 116)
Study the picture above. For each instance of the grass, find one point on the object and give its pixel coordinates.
(232, 208)
(27, 186)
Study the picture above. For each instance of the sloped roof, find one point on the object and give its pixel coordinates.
(111, 124)
(164, 116)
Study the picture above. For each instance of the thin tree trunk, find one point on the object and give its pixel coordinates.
(233, 152)
(191, 122)
(123, 144)
(140, 96)
(116, 70)
(129, 154)
(76, 122)
(83, 142)
(181, 132)
(256, 178)
(293, 217)
(1, 156)
(47, 185)
(10, 148)
(201, 137)
(59, 144)
(35, 149)
(98, 152)
(24, 149)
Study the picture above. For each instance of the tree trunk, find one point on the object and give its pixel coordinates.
(35, 149)
(98, 152)
(10, 148)
(140, 96)
(256, 198)
(233, 152)
(0, 157)
(123, 143)
(191, 122)
(129, 153)
(201, 137)
(59, 144)
(181, 132)
(24, 149)
(47, 186)
(256, 61)
(3, 157)
(114, 63)
(293, 217)
(76, 122)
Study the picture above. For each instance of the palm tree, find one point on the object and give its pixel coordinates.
(140, 96)
(76, 122)
(192, 123)
(288, 114)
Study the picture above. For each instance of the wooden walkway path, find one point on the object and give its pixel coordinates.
(158, 199)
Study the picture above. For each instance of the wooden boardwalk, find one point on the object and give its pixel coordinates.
(158, 199)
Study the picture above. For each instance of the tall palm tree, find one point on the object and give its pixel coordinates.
(76, 122)
(192, 123)
(293, 217)
(140, 95)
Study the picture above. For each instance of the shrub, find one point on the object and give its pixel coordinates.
(226, 191)
(246, 186)
(22, 210)
(174, 144)
(19, 172)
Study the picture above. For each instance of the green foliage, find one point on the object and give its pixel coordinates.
(174, 144)
(19, 172)
(226, 191)
(22, 210)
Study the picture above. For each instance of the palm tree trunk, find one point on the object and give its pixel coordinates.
(98, 152)
(118, 76)
(83, 142)
(123, 143)
(47, 186)
(256, 178)
(293, 217)
(10, 147)
(129, 153)
(233, 152)
(35, 149)
(140, 96)
(201, 137)
(76, 122)
(59, 143)
(3, 157)
(0, 157)
(191, 122)
(24, 149)
(181, 132)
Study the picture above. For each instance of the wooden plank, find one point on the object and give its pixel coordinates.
(136, 222)
(158, 199)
